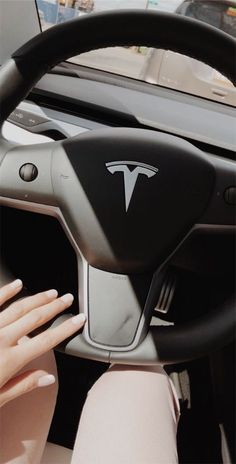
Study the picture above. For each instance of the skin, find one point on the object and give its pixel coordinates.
(17, 350)
(131, 412)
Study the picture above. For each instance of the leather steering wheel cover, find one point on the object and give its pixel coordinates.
(199, 335)
(149, 28)
(162, 30)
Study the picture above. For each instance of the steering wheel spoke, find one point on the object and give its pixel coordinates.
(25, 174)
(126, 197)
(118, 309)
(220, 212)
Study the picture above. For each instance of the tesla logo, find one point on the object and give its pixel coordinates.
(130, 177)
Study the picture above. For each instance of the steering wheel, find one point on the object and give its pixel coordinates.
(126, 198)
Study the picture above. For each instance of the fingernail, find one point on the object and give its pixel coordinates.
(16, 283)
(68, 298)
(52, 293)
(46, 380)
(79, 319)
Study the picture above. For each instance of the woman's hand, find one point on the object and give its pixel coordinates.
(16, 350)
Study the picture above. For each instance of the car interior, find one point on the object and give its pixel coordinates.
(122, 190)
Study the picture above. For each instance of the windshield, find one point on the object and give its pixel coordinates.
(154, 66)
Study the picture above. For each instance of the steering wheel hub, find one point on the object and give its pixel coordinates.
(127, 198)
(144, 191)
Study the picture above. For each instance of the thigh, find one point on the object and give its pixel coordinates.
(130, 416)
(25, 421)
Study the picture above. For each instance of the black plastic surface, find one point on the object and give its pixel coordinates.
(230, 196)
(141, 228)
(221, 209)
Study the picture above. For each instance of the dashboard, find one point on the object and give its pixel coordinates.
(63, 106)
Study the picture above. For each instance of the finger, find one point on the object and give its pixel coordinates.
(49, 339)
(19, 308)
(10, 290)
(24, 383)
(34, 319)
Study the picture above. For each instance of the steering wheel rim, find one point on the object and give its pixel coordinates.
(31, 61)
(23, 70)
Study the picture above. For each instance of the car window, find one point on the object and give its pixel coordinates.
(156, 67)
(216, 13)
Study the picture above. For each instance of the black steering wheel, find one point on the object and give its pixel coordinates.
(126, 198)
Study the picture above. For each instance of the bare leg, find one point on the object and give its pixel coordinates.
(130, 417)
(25, 421)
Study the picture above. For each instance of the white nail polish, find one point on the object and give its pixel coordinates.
(79, 319)
(46, 380)
(68, 298)
(16, 283)
(52, 293)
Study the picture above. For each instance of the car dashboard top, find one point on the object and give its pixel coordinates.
(64, 106)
